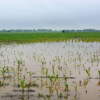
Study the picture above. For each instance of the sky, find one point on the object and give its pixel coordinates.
(50, 14)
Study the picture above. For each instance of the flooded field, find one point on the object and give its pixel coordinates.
(51, 70)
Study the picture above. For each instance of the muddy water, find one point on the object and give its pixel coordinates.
(68, 58)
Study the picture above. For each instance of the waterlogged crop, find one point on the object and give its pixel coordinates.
(58, 60)
(46, 72)
(28, 89)
(42, 63)
(59, 80)
(40, 94)
(75, 88)
(31, 73)
(7, 68)
(60, 95)
(50, 90)
(1, 83)
(3, 70)
(22, 83)
(87, 71)
(14, 75)
(55, 76)
(51, 78)
(66, 84)
(20, 62)
(65, 77)
(13, 69)
(41, 80)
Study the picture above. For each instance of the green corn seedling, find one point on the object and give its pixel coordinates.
(65, 77)
(70, 72)
(66, 85)
(42, 72)
(40, 95)
(59, 80)
(54, 61)
(75, 87)
(60, 95)
(53, 73)
(55, 77)
(1, 83)
(51, 78)
(87, 71)
(14, 74)
(42, 63)
(28, 90)
(7, 68)
(46, 72)
(84, 81)
(3, 71)
(22, 83)
(41, 80)
(13, 69)
(20, 62)
(31, 73)
(49, 89)
(58, 60)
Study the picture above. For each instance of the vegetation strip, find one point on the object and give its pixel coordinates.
(35, 37)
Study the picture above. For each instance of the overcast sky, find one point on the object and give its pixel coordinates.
(49, 14)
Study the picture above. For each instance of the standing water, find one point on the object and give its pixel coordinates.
(55, 70)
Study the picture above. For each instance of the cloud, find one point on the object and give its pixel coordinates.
(58, 14)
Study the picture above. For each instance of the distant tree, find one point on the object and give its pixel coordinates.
(4, 30)
(63, 31)
(67, 31)
(8, 31)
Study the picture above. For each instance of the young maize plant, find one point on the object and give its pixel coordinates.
(66, 84)
(3, 71)
(88, 72)
(31, 73)
(22, 83)
(46, 72)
